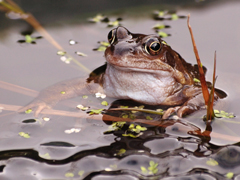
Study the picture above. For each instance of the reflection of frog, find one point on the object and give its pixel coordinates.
(139, 67)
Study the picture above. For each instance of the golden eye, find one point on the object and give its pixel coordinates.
(111, 36)
(152, 47)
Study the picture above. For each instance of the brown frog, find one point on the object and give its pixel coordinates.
(139, 67)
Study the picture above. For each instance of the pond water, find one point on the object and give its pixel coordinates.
(67, 143)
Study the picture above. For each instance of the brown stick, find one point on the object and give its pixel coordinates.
(201, 72)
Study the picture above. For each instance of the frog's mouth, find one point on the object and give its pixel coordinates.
(140, 65)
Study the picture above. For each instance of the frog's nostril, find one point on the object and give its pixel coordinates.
(131, 50)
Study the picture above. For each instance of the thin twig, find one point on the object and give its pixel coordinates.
(201, 72)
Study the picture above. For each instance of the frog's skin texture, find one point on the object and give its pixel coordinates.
(139, 67)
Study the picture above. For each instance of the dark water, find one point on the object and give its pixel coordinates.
(179, 148)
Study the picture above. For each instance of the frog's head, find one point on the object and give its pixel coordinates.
(145, 53)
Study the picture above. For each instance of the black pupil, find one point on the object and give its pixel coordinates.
(155, 46)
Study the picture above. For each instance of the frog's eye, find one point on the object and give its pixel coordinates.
(111, 36)
(152, 47)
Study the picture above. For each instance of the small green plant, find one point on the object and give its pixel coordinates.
(163, 34)
(69, 175)
(23, 134)
(97, 18)
(223, 114)
(174, 16)
(159, 26)
(229, 175)
(121, 152)
(80, 173)
(152, 169)
(114, 23)
(103, 46)
(96, 111)
(104, 103)
(84, 96)
(134, 131)
(45, 156)
(28, 111)
(115, 126)
(212, 162)
(149, 118)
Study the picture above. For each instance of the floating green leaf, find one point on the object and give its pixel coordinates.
(29, 39)
(104, 43)
(97, 18)
(63, 92)
(123, 107)
(229, 175)
(131, 126)
(121, 152)
(131, 135)
(23, 134)
(212, 162)
(161, 13)
(149, 118)
(223, 114)
(134, 131)
(124, 116)
(104, 103)
(113, 23)
(140, 128)
(96, 111)
(162, 34)
(159, 26)
(61, 53)
(144, 170)
(28, 111)
(85, 97)
(80, 173)
(45, 156)
(69, 174)
(100, 48)
(116, 126)
(174, 17)
(152, 169)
